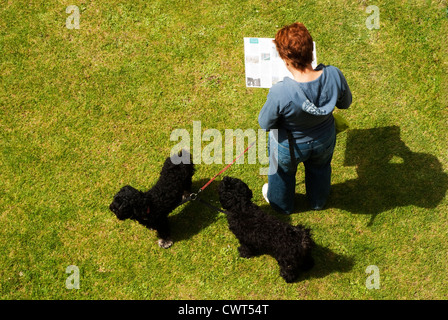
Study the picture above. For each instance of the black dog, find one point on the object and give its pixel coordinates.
(151, 208)
(261, 233)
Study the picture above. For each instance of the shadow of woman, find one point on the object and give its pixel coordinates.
(390, 175)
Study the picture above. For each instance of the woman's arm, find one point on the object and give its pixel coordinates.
(269, 114)
(345, 98)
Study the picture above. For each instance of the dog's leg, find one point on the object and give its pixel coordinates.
(245, 251)
(287, 271)
(163, 231)
(165, 243)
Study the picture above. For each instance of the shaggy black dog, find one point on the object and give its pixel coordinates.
(261, 233)
(151, 208)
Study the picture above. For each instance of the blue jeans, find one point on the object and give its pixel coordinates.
(316, 156)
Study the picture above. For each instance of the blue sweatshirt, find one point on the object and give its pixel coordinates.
(305, 108)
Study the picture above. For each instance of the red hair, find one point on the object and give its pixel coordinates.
(295, 45)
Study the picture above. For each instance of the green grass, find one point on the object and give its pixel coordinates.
(84, 112)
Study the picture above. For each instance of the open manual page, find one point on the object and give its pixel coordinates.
(264, 67)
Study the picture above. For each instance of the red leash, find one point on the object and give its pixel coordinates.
(227, 167)
(193, 196)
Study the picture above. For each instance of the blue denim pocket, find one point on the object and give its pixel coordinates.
(323, 149)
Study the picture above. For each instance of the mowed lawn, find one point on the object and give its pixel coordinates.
(86, 111)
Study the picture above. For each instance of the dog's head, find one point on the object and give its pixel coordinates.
(127, 203)
(234, 193)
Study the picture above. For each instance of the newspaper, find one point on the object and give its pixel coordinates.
(263, 65)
